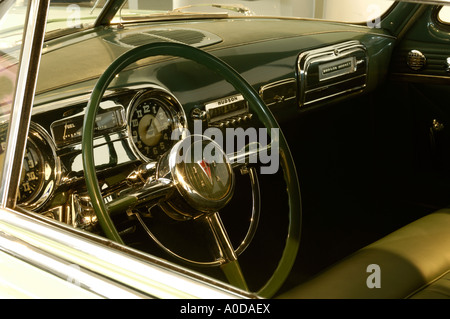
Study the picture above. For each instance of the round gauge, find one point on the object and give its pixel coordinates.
(40, 167)
(152, 118)
(32, 176)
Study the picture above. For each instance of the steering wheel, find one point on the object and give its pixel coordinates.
(176, 170)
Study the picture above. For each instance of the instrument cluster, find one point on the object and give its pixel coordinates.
(132, 125)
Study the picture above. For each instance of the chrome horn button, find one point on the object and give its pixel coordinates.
(202, 173)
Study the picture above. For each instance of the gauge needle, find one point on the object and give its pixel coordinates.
(64, 134)
(150, 129)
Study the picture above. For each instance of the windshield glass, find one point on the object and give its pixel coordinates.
(62, 15)
(12, 20)
(13, 16)
(69, 16)
(355, 11)
(72, 15)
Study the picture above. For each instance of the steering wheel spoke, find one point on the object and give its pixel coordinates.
(227, 252)
(229, 259)
(249, 154)
(149, 194)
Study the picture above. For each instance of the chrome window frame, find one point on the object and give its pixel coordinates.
(30, 57)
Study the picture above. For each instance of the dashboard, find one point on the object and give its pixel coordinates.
(134, 125)
(138, 123)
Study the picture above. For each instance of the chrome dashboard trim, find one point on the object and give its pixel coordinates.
(420, 78)
(237, 103)
(277, 88)
(416, 60)
(311, 62)
(68, 122)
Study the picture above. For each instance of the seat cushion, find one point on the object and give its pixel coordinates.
(408, 263)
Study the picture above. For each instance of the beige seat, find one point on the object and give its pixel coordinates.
(414, 262)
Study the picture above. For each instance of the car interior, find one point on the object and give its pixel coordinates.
(363, 111)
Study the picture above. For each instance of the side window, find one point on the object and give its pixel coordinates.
(444, 14)
(352, 11)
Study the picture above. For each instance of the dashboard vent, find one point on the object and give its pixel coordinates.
(331, 71)
(191, 37)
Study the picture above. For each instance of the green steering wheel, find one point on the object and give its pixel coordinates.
(257, 107)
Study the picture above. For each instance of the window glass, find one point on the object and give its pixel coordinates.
(444, 14)
(66, 14)
(355, 11)
(12, 21)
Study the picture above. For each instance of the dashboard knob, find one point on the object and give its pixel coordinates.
(416, 60)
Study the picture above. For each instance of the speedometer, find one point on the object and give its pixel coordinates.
(153, 116)
(33, 172)
(40, 168)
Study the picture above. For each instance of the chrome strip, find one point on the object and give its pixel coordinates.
(325, 55)
(74, 274)
(53, 247)
(350, 90)
(438, 2)
(431, 78)
(23, 101)
(278, 85)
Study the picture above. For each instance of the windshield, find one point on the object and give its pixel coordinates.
(12, 20)
(64, 14)
(70, 16)
(355, 11)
